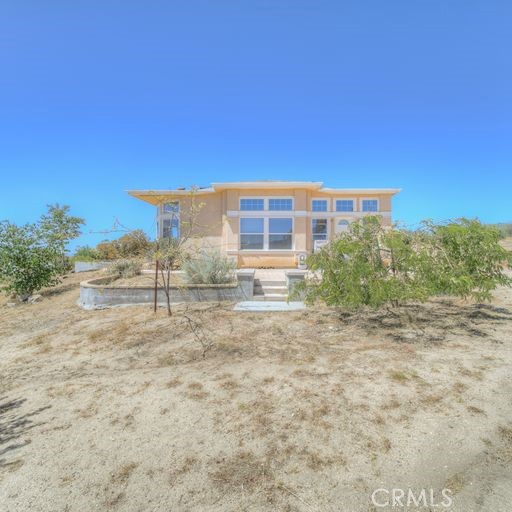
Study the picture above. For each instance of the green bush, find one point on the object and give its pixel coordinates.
(132, 245)
(33, 256)
(125, 268)
(374, 266)
(210, 268)
(86, 253)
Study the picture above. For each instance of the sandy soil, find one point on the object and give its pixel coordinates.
(213, 410)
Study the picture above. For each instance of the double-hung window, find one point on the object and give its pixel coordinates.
(319, 205)
(344, 205)
(370, 205)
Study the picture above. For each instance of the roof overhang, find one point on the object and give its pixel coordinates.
(267, 184)
(156, 197)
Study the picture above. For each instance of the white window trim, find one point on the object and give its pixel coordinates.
(370, 199)
(265, 233)
(265, 203)
(354, 203)
(326, 199)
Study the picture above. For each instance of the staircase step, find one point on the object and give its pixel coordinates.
(271, 298)
(272, 289)
(269, 282)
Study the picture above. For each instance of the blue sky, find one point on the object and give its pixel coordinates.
(97, 97)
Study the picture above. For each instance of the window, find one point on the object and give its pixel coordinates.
(171, 228)
(280, 234)
(169, 220)
(342, 226)
(251, 204)
(345, 205)
(319, 205)
(319, 229)
(280, 204)
(370, 205)
(251, 234)
(258, 234)
(171, 207)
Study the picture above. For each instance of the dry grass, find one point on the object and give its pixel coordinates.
(294, 411)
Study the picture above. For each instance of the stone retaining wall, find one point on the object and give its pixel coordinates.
(102, 292)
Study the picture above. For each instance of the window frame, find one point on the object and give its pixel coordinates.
(327, 204)
(170, 216)
(327, 231)
(354, 204)
(363, 199)
(266, 201)
(266, 233)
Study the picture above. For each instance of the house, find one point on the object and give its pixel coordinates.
(266, 223)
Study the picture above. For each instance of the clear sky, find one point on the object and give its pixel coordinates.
(100, 96)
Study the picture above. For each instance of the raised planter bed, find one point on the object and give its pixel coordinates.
(103, 292)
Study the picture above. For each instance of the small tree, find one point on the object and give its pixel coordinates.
(172, 251)
(467, 258)
(34, 255)
(374, 266)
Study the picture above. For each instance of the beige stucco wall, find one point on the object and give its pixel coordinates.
(216, 230)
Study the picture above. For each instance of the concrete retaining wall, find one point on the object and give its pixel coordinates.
(102, 292)
(293, 277)
(87, 266)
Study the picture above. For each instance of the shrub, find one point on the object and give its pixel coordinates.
(86, 253)
(33, 256)
(373, 266)
(134, 244)
(466, 258)
(125, 268)
(210, 268)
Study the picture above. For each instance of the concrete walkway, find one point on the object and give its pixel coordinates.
(256, 305)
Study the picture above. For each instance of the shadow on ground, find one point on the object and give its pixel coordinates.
(14, 426)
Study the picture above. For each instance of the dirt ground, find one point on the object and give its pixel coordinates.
(213, 410)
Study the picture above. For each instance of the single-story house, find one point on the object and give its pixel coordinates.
(265, 223)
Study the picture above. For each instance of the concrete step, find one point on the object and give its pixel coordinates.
(273, 297)
(269, 282)
(271, 289)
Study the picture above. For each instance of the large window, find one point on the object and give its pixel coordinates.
(280, 234)
(169, 220)
(171, 228)
(370, 205)
(251, 204)
(280, 204)
(319, 205)
(319, 229)
(344, 205)
(251, 234)
(258, 234)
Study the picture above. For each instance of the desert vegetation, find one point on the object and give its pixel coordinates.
(286, 411)
(371, 265)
